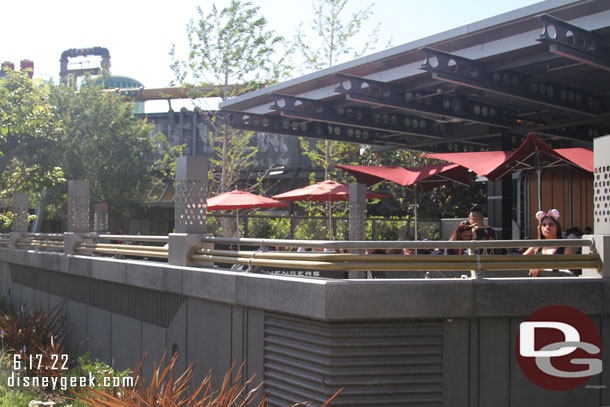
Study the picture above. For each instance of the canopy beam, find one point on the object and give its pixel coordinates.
(573, 42)
(462, 71)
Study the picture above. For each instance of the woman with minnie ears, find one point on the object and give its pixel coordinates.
(548, 228)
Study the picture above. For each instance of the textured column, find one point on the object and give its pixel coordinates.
(191, 194)
(601, 185)
(100, 218)
(190, 209)
(21, 205)
(357, 220)
(78, 206)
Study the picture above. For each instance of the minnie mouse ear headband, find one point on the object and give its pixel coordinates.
(553, 213)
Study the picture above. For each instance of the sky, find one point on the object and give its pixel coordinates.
(139, 33)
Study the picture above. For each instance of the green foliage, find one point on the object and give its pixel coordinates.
(13, 396)
(86, 366)
(269, 228)
(29, 131)
(228, 46)
(103, 142)
(232, 50)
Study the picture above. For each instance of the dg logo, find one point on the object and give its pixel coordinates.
(559, 348)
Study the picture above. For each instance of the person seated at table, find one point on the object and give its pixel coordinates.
(462, 232)
(548, 228)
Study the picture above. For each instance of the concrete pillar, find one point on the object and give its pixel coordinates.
(78, 206)
(100, 218)
(601, 185)
(601, 205)
(357, 220)
(21, 205)
(190, 209)
(602, 246)
(78, 214)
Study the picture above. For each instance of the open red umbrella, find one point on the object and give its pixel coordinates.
(532, 154)
(241, 200)
(420, 178)
(236, 200)
(325, 191)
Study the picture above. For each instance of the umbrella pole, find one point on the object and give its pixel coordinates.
(539, 187)
(538, 177)
(330, 220)
(237, 224)
(415, 210)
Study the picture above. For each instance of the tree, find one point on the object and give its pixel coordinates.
(29, 131)
(232, 49)
(333, 35)
(332, 38)
(328, 41)
(103, 142)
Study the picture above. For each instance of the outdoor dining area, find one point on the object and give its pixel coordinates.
(462, 168)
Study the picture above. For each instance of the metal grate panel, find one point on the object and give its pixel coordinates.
(393, 363)
(155, 307)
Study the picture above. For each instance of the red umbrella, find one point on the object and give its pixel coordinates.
(241, 200)
(323, 191)
(420, 178)
(326, 191)
(481, 162)
(532, 154)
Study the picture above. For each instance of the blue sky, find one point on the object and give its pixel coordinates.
(139, 33)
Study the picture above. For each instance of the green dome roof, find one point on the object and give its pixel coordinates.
(122, 82)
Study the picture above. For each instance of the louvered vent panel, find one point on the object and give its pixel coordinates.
(394, 363)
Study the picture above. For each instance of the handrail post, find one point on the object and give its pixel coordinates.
(78, 214)
(190, 210)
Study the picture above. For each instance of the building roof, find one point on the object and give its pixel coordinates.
(542, 68)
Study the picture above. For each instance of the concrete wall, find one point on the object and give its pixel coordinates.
(387, 342)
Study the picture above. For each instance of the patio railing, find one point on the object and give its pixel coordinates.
(326, 255)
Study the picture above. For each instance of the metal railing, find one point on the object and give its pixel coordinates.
(124, 245)
(354, 259)
(392, 262)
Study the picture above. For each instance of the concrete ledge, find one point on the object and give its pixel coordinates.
(109, 270)
(210, 284)
(327, 299)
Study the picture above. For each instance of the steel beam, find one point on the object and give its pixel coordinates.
(461, 71)
(573, 42)
(279, 125)
(309, 109)
(443, 106)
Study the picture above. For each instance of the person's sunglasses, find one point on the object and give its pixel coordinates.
(549, 224)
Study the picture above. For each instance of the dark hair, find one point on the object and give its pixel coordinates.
(457, 233)
(476, 208)
(540, 235)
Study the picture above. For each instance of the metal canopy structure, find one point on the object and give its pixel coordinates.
(543, 68)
